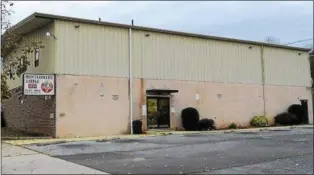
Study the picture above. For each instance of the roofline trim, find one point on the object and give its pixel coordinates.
(66, 18)
(25, 20)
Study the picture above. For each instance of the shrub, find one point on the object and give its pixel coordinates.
(259, 121)
(190, 118)
(298, 111)
(206, 124)
(232, 126)
(286, 119)
(137, 127)
(3, 122)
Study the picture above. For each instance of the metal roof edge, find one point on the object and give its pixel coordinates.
(25, 20)
(66, 18)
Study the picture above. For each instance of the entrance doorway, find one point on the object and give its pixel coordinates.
(305, 118)
(158, 112)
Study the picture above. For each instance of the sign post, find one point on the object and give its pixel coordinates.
(39, 84)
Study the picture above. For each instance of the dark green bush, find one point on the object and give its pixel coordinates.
(206, 124)
(298, 111)
(137, 127)
(259, 121)
(190, 118)
(232, 126)
(3, 122)
(286, 119)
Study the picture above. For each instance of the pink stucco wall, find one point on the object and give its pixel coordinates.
(85, 105)
(279, 98)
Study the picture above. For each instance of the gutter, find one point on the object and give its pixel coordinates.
(148, 29)
(130, 80)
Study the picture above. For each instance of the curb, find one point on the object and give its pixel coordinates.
(66, 140)
(49, 141)
(24, 138)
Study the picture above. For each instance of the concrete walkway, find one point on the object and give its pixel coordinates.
(17, 160)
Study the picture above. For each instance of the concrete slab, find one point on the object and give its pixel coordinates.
(42, 164)
(17, 160)
(10, 151)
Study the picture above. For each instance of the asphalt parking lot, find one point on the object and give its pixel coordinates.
(284, 151)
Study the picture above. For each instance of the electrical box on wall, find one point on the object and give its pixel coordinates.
(197, 97)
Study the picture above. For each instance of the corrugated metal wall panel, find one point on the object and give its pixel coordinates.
(46, 55)
(164, 56)
(286, 67)
(102, 50)
(91, 49)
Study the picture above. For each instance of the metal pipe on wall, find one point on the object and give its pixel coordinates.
(263, 78)
(131, 79)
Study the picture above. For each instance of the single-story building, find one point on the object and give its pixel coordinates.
(107, 73)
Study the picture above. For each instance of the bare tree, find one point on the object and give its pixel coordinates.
(272, 40)
(14, 54)
(310, 46)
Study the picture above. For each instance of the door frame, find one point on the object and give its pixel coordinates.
(305, 106)
(157, 98)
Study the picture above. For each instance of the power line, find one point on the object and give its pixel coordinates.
(299, 41)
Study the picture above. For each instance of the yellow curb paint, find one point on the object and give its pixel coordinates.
(149, 134)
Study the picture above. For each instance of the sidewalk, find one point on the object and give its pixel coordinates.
(17, 160)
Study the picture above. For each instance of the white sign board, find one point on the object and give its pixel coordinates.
(38, 84)
(172, 109)
(197, 96)
(144, 110)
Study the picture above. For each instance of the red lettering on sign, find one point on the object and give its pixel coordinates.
(32, 86)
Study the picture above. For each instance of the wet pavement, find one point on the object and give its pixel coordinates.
(289, 151)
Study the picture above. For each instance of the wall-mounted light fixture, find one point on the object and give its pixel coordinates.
(77, 26)
(250, 47)
(299, 53)
(48, 34)
(147, 34)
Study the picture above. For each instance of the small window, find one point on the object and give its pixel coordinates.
(11, 72)
(36, 57)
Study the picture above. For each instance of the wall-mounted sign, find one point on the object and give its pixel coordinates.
(172, 109)
(38, 84)
(144, 110)
(197, 97)
(115, 97)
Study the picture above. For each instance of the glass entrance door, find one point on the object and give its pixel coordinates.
(158, 112)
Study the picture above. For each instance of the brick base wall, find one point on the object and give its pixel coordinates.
(35, 115)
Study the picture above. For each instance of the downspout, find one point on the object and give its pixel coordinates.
(263, 79)
(130, 79)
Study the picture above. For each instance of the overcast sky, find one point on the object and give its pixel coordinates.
(287, 21)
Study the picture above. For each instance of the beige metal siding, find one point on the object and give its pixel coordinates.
(91, 49)
(102, 50)
(46, 55)
(165, 56)
(286, 67)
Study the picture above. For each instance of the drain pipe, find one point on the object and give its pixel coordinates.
(131, 79)
(263, 78)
